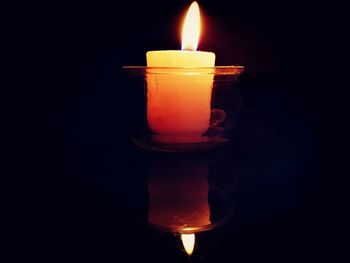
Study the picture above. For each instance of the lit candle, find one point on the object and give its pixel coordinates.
(178, 105)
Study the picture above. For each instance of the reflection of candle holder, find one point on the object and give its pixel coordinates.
(189, 196)
(183, 109)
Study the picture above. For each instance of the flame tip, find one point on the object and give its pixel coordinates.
(191, 28)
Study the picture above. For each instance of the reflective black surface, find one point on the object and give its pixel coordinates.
(95, 205)
(91, 201)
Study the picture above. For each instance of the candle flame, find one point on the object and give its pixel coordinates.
(188, 241)
(191, 28)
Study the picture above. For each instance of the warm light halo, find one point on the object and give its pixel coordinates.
(191, 28)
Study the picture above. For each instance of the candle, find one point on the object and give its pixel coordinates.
(178, 104)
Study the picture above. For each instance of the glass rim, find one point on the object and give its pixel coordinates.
(217, 70)
(193, 229)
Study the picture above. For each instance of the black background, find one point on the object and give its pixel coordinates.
(81, 197)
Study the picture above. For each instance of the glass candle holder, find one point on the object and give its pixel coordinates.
(182, 109)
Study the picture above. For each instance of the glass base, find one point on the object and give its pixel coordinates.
(181, 147)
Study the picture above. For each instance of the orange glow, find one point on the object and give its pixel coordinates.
(188, 241)
(191, 28)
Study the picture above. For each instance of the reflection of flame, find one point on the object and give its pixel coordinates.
(188, 241)
(191, 28)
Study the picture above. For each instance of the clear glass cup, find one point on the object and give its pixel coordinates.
(182, 109)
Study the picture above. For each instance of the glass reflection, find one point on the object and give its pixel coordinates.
(189, 196)
(178, 195)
